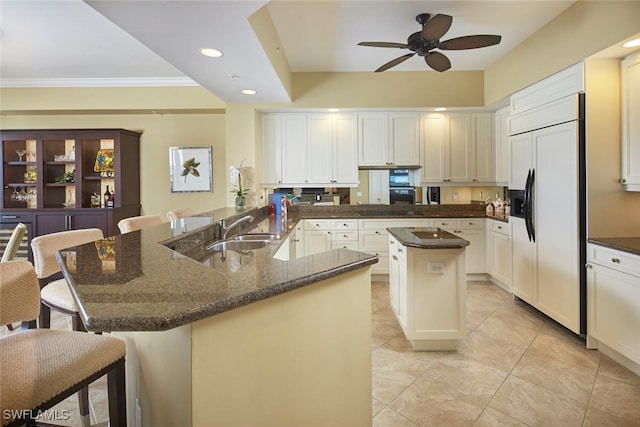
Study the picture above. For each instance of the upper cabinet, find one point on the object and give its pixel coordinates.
(309, 150)
(630, 82)
(457, 147)
(502, 146)
(388, 139)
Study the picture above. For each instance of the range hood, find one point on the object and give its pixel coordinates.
(388, 167)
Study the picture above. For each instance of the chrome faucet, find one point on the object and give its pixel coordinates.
(225, 229)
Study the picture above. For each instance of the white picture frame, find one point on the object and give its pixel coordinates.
(194, 177)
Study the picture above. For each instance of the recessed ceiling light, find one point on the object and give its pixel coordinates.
(632, 43)
(249, 91)
(213, 53)
(441, 109)
(333, 110)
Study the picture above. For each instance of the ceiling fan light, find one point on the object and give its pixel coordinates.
(212, 53)
(632, 43)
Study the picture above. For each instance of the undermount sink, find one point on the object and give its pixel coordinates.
(237, 245)
(253, 237)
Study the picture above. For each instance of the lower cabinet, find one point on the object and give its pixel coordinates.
(471, 229)
(55, 220)
(613, 301)
(499, 260)
(427, 291)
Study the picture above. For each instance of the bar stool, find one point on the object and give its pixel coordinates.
(135, 223)
(179, 213)
(42, 367)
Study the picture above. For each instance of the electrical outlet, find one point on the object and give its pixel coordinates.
(435, 267)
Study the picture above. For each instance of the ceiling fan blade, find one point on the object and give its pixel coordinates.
(470, 42)
(437, 61)
(383, 44)
(436, 27)
(395, 62)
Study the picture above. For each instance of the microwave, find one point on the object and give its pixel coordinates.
(400, 178)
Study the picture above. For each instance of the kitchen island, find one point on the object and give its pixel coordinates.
(427, 286)
(244, 339)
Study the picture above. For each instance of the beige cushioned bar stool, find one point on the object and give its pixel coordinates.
(14, 242)
(179, 213)
(135, 223)
(42, 367)
(55, 293)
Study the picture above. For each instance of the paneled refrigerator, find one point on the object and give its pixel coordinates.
(548, 214)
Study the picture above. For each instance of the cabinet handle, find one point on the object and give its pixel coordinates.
(345, 236)
(328, 232)
(377, 232)
(399, 250)
(9, 216)
(391, 243)
(474, 180)
(587, 265)
(499, 227)
(395, 258)
(623, 181)
(615, 260)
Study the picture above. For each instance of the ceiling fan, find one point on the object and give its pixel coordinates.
(423, 42)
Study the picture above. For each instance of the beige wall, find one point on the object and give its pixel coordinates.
(199, 124)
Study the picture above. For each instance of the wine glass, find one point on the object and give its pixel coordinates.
(15, 195)
(21, 153)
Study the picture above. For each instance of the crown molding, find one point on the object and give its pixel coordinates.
(98, 82)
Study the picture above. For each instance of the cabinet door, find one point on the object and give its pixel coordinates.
(612, 317)
(320, 148)
(316, 241)
(482, 136)
(394, 269)
(404, 142)
(379, 187)
(630, 79)
(521, 160)
(345, 155)
(373, 139)
(502, 146)
(500, 248)
(96, 219)
(460, 153)
(271, 149)
(474, 253)
(294, 149)
(523, 261)
(433, 159)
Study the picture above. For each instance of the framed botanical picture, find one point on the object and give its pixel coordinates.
(190, 169)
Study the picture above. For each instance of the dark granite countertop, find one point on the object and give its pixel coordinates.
(625, 244)
(162, 277)
(427, 238)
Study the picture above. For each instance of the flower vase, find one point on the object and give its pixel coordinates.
(240, 201)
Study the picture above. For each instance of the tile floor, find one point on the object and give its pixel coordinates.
(515, 368)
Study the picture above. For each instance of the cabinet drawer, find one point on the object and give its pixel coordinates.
(445, 223)
(372, 224)
(344, 245)
(345, 224)
(471, 223)
(340, 235)
(317, 224)
(500, 227)
(372, 241)
(614, 259)
(16, 217)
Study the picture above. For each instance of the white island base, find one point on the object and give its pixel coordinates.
(302, 358)
(428, 295)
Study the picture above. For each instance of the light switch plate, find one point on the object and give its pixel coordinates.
(435, 267)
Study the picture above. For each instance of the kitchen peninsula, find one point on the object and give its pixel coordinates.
(231, 341)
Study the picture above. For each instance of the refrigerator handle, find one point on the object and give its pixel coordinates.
(530, 208)
(527, 205)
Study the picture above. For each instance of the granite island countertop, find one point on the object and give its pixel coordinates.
(625, 244)
(162, 277)
(427, 238)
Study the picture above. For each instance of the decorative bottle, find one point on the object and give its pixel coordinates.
(112, 200)
(107, 196)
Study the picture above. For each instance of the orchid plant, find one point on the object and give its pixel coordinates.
(236, 174)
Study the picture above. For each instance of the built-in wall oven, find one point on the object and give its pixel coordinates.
(401, 190)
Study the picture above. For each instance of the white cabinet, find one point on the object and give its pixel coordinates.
(502, 146)
(321, 235)
(309, 149)
(630, 88)
(427, 290)
(332, 146)
(613, 301)
(457, 147)
(344, 234)
(523, 260)
(379, 187)
(499, 256)
(388, 139)
(471, 229)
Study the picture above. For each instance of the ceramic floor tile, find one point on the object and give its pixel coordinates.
(376, 406)
(478, 309)
(385, 315)
(599, 418)
(399, 350)
(468, 376)
(507, 331)
(488, 290)
(492, 418)
(569, 350)
(520, 314)
(613, 369)
(428, 402)
(537, 406)
(388, 377)
(490, 351)
(390, 418)
(382, 332)
(572, 381)
(618, 398)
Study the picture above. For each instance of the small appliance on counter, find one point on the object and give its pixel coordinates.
(433, 196)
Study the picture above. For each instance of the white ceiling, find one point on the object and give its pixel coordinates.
(150, 42)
